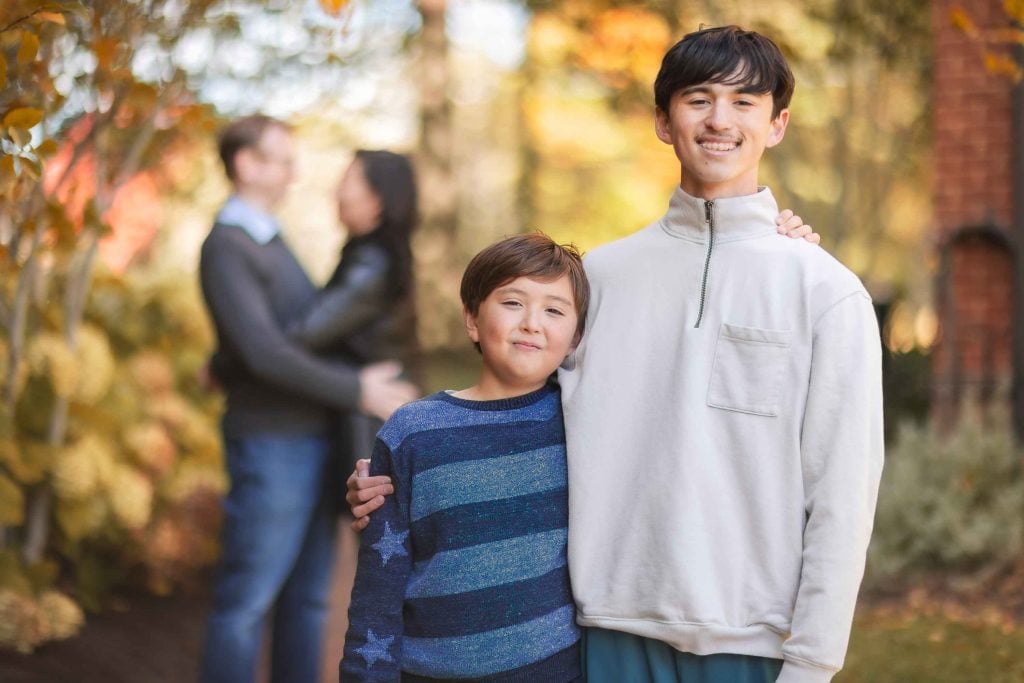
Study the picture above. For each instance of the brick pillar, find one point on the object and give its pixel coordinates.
(973, 215)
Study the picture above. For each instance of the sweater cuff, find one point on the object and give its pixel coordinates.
(795, 671)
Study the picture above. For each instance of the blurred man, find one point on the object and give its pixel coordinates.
(278, 536)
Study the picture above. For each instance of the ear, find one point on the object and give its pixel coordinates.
(471, 329)
(778, 128)
(661, 126)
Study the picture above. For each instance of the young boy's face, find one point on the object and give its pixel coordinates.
(719, 133)
(525, 329)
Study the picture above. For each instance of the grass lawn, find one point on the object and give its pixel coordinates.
(931, 649)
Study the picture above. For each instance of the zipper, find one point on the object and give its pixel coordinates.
(709, 205)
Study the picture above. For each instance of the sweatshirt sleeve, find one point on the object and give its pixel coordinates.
(841, 453)
(373, 644)
(357, 297)
(245, 320)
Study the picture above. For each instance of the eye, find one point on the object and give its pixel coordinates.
(511, 303)
(555, 311)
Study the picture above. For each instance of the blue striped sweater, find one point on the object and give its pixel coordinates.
(462, 573)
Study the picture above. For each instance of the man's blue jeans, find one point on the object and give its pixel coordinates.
(278, 548)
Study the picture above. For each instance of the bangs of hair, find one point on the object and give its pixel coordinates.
(725, 55)
(535, 256)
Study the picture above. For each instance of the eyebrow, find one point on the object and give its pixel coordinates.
(516, 290)
(747, 89)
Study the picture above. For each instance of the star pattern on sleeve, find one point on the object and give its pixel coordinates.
(376, 648)
(390, 544)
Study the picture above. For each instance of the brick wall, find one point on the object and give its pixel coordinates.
(972, 213)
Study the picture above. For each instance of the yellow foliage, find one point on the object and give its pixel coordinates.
(48, 354)
(131, 497)
(153, 372)
(12, 502)
(83, 467)
(152, 447)
(63, 617)
(96, 365)
(29, 47)
(191, 480)
(22, 624)
(960, 19)
(27, 462)
(81, 519)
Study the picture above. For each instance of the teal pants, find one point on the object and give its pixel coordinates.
(616, 657)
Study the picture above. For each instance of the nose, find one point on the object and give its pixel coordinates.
(531, 319)
(719, 116)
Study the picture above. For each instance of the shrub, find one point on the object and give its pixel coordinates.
(949, 500)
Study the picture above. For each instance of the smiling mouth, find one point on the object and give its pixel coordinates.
(718, 145)
(526, 346)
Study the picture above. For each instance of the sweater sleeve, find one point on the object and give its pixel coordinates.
(357, 297)
(245, 320)
(841, 455)
(373, 644)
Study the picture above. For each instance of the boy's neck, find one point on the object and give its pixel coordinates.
(713, 192)
(494, 391)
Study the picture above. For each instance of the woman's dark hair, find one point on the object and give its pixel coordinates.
(391, 178)
(728, 55)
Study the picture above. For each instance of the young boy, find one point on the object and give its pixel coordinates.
(463, 572)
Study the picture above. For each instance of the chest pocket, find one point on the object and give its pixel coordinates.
(748, 369)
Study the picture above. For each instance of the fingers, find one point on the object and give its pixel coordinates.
(362, 467)
(363, 495)
(368, 507)
(813, 238)
(360, 523)
(784, 217)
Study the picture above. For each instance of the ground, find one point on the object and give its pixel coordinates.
(938, 631)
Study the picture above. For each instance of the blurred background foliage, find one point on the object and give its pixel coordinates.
(520, 115)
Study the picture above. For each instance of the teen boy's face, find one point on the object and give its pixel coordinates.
(525, 329)
(719, 133)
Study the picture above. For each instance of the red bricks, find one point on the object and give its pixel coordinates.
(972, 208)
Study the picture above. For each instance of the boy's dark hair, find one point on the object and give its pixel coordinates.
(243, 133)
(727, 55)
(535, 256)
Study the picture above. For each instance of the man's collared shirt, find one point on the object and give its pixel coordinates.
(258, 224)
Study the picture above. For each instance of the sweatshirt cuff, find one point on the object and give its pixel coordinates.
(795, 671)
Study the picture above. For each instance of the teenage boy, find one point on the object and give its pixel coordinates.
(279, 523)
(462, 574)
(735, 379)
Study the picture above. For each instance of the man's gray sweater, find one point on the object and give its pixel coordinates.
(252, 292)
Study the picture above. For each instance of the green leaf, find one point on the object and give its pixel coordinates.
(23, 117)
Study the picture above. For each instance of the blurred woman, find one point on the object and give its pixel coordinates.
(365, 312)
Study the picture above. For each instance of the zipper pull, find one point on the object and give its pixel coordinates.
(708, 205)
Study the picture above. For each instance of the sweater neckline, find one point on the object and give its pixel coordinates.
(510, 403)
(734, 218)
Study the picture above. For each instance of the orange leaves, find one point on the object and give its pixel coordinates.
(29, 47)
(1002, 65)
(999, 63)
(23, 117)
(626, 42)
(621, 45)
(333, 7)
(1015, 8)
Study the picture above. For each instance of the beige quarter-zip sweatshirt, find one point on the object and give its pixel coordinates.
(724, 426)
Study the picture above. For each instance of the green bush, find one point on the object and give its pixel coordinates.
(949, 500)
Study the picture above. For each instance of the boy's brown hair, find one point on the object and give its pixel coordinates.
(535, 256)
